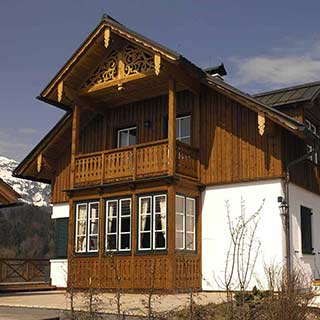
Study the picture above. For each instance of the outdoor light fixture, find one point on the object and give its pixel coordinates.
(147, 124)
(283, 208)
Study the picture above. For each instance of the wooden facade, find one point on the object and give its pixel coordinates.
(233, 139)
(7, 194)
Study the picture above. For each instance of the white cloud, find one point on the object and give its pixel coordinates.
(281, 68)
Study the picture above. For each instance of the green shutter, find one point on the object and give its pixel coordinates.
(62, 237)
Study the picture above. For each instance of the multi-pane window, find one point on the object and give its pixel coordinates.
(152, 223)
(87, 227)
(185, 223)
(306, 230)
(127, 137)
(183, 129)
(118, 224)
(312, 128)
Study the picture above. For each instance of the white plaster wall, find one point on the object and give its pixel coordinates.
(59, 267)
(309, 264)
(59, 272)
(216, 235)
(60, 210)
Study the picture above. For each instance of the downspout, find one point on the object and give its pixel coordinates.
(286, 201)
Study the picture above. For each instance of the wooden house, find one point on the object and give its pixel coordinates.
(142, 161)
(8, 197)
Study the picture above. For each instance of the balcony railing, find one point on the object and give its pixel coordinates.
(134, 162)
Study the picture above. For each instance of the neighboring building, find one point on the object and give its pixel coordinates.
(148, 151)
(8, 197)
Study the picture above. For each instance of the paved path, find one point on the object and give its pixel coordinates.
(132, 304)
(12, 313)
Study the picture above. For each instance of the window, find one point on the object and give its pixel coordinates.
(312, 128)
(185, 223)
(152, 222)
(118, 224)
(306, 230)
(127, 137)
(87, 227)
(183, 129)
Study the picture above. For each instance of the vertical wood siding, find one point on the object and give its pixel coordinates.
(231, 147)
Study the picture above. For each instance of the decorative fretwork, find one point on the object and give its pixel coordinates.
(106, 72)
(136, 60)
(129, 61)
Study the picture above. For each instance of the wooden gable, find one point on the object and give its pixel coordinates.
(7, 194)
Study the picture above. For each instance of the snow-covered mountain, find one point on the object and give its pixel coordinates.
(35, 193)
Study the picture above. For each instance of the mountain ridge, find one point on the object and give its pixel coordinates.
(32, 192)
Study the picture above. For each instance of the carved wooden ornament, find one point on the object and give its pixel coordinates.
(39, 162)
(106, 39)
(60, 91)
(157, 63)
(261, 123)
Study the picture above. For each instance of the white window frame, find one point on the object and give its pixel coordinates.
(193, 232)
(185, 216)
(152, 214)
(139, 223)
(124, 130)
(312, 128)
(88, 226)
(117, 224)
(183, 231)
(179, 135)
(118, 232)
(87, 220)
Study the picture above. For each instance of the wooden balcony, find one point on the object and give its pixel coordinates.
(134, 163)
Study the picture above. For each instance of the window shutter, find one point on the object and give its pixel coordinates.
(306, 230)
(62, 238)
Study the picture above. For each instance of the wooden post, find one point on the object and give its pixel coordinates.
(172, 126)
(171, 236)
(196, 129)
(74, 143)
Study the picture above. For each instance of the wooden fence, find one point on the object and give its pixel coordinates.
(24, 270)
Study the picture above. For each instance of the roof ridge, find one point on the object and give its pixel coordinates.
(300, 86)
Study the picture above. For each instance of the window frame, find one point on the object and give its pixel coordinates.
(310, 249)
(88, 204)
(185, 232)
(123, 130)
(312, 127)
(179, 137)
(151, 249)
(118, 232)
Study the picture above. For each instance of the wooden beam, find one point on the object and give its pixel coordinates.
(74, 143)
(39, 162)
(60, 91)
(196, 122)
(172, 126)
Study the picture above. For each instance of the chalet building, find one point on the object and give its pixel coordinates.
(148, 151)
(8, 197)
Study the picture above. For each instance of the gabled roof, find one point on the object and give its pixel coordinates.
(7, 194)
(256, 103)
(290, 95)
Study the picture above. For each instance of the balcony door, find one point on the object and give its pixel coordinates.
(126, 137)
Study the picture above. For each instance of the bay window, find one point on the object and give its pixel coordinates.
(152, 222)
(87, 227)
(185, 223)
(118, 224)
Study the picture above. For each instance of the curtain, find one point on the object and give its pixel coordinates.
(143, 213)
(163, 214)
(110, 215)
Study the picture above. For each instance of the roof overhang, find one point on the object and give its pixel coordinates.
(7, 193)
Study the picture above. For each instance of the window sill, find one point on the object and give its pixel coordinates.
(116, 253)
(152, 252)
(85, 254)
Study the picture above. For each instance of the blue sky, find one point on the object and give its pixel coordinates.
(264, 45)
